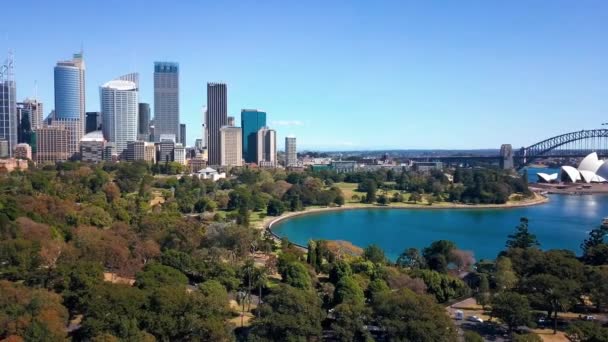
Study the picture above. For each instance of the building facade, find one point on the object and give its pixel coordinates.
(8, 105)
(52, 144)
(166, 99)
(217, 117)
(291, 155)
(164, 150)
(23, 151)
(92, 147)
(5, 150)
(141, 150)
(143, 122)
(35, 110)
(182, 134)
(267, 147)
(93, 122)
(231, 146)
(252, 121)
(69, 77)
(179, 154)
(119, 102)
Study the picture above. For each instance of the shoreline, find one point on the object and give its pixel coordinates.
(269, 221)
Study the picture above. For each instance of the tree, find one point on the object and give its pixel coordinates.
(550, 293)
(374, 254)
(595, 251)
(584, 331)
(242, 217)
(443, 286)
(483, 293)
(522, 237)
(410, 258)
(512, 308)
(382, 199)
(288, 314)
(349, 323)
(371, 189)
(275, 207)
(348, 291)
(439, 254)
(471, 336)
(406, 316)
(33, 314)
(156, 275)
(339, 270)
(415, 197)
(296, 275)
(506, 279)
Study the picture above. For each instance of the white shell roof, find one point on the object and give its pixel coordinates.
(547, 177)
(572, 173)
(590, 163)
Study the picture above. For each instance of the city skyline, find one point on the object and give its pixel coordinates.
(478, 75)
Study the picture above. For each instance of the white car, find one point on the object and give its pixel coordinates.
(474, 319)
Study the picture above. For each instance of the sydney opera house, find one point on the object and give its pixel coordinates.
(590, 170)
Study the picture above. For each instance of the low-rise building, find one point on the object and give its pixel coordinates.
(92, 147)
(343, 166)
(209, 173)
(23, 151)
(52, 144)
(179, 154)
(427, 166)
(4, 149)
(12, 164)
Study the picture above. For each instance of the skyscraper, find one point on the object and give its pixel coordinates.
(252, 121)
(231, 146)
(8, 105)
(35, 110)
(166, 99)
(182, 134)
(267, 147)
(70, 99)
(291, 156)
(143, 122)
(119, 101)
(217, 117)
(93, 122)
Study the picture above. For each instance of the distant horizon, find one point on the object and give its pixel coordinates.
(341, 76)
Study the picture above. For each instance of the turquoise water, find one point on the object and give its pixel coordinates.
(563, 222)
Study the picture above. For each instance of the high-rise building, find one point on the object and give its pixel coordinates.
(8, 105)
(182, 134)
(230, 121)
(267, 147)
(291, 156)
(52, 143)
(119, 101)
(92, 147)
(166, 99)
(217, 117)
(93, 122)
(252, 121)
(23, 151)
(35, 111)
(70, 99)
(231, 146)
(143, 122)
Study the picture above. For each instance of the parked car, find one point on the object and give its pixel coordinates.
(458, 315)
(474, 319)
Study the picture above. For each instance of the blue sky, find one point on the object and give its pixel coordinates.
(341, 74)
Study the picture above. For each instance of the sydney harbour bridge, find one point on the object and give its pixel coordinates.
(568, 145)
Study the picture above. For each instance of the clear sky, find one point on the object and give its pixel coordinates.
(341, 74)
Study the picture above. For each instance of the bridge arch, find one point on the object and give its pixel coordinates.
(596, 140)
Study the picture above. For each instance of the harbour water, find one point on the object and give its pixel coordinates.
(562, 223)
